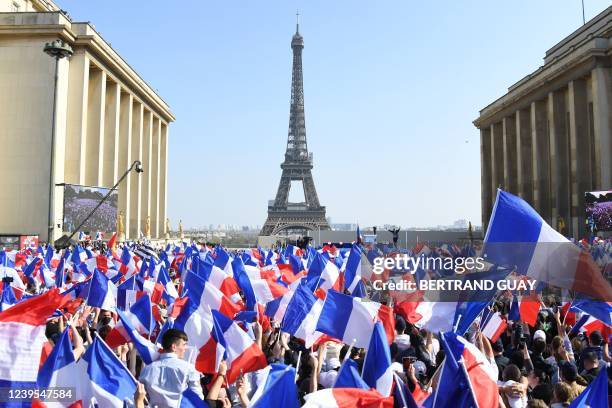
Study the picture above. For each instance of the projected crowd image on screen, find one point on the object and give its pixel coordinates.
(79, 201)
(599, 209)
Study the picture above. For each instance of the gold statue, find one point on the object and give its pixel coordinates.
(180, 229)
(167, 228)
(147, 230)
(120, 226)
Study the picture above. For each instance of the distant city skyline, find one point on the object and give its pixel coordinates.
(391, 90)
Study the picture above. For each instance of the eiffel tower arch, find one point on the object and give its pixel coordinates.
(284, 216)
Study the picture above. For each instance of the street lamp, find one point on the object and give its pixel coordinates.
(64, 241)
(57, 49)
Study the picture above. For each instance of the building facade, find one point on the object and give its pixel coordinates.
(549, 139)
(106, 117)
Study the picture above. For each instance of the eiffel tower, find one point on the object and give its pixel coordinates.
(284, 216)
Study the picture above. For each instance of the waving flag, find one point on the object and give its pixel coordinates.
(302, 314)
(347, 398)
(8, 297)
(102, 292)
(277, 388)
(596, 394)
(169, 292)
(126, 264)
(203, 335)
(323, 274)
(243, 354)
(518, 236)
(129, 292)
(22, 334)
(467, 378)
(147, 350)
(59, 368)
(103, 377)
(346, 318)
(223, 261)
(276, 308)
(140, 318)
(493, 326)
(377, 371)
(352, 273)
(602, 311)
(202, 293)
(526, 309)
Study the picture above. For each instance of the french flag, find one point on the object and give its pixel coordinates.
(243, 354)
(302, 314)
(103, 378)
(169, 292)
(8, 297)
(377, 372)
(323, 274)
(467, 378)
(347, 398)
(102, 292)
(22, 335)
(526, 309)
(348, 319)
(140, 318)
(203, 294)
(276, 388)
(223, 261)
(129, 292)
(78, 255)
(493, 326)
(600, 310)
(59, 369)
(352, 273)
(198, 324)
(264, 289)
(276, 308)
(225, 283)
(147, 350)
(126, 264)
(518, 236)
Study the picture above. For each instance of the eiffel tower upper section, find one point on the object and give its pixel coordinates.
(297, 166)
(297, 148)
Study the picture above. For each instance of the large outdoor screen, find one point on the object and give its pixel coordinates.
(599, 209)
(79, 201)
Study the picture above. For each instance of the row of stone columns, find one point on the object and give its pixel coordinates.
(552, 151)
(108, 127)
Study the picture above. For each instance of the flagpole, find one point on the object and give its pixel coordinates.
(297, 366)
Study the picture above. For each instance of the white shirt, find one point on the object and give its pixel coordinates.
(166, 378)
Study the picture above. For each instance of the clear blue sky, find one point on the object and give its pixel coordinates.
(391, 90)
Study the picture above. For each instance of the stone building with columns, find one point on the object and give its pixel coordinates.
(106, 117)
(549, 139)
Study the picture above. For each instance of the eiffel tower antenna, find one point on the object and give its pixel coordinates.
(309, 215)
(297, 21)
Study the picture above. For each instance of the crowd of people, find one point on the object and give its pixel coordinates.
(548, 363)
